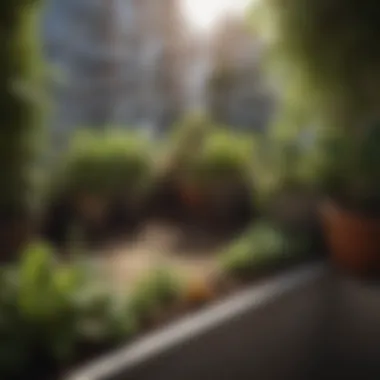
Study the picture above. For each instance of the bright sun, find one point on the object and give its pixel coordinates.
(203, 14)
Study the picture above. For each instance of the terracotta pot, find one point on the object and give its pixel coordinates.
(353, 239)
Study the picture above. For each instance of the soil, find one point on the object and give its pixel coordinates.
(189, 251)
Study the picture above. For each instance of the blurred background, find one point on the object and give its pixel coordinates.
(141, 64)
(157, 155)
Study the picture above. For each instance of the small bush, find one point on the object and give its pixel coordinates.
(219, 178)
(224, 156)
(48, 311)
(112, 164)
(201, 149)
(261, 248)
(157, 289)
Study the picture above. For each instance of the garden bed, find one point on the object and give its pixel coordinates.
(73, 311)
(309, 323)
(195, 258)
(189, 251)
(139, 273)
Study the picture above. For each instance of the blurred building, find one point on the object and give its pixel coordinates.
(117, 62)
(197, 72)
(238, 94)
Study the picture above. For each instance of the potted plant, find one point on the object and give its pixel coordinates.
(327, 60)
(351, 216)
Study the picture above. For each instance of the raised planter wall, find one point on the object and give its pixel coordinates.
(351, 330)
(307, 324)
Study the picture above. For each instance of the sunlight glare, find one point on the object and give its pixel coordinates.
(203, 14)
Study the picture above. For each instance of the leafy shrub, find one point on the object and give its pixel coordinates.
(49, 311)
(201, 148)
(151, 293)
(111, 164)
(262, 247)
(223, 156)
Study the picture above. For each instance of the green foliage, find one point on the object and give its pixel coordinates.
(110, 164)
(192, 127)
(286, 164)
(325, 54)
(187, 136)
(328, 69)
(293, 164)
(262, 247)
(157, 289)
(350, 169)
(21, 119)
(49, 309)
(224, 157)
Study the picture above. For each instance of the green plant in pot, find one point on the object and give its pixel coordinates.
(328, 62)
(351, 178)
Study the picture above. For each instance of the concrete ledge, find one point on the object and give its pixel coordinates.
(268, 331)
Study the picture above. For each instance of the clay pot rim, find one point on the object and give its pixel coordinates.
(331, 204)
